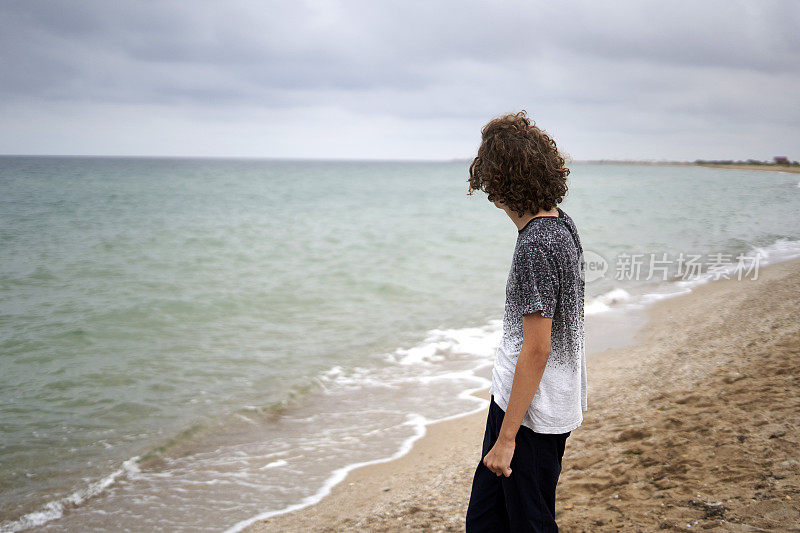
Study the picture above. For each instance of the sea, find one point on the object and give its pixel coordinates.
(195, 344)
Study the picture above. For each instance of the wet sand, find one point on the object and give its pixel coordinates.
(694, 427)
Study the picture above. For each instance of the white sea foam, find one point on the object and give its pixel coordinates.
(418, 422)
(780, 250)
(273, 464)
(477, 341)
(418, 363)
(603, 303)
(55, 509)
(242, 417)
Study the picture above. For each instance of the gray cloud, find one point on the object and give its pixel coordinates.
(635, 71)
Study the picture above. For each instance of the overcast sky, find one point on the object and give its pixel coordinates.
(399, 79)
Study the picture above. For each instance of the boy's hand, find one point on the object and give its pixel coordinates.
(498, 460)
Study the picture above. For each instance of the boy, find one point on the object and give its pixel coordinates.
(538, 391)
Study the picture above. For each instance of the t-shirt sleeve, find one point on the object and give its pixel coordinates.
(537, 281)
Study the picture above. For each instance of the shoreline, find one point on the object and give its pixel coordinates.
(791, 169)
(427, 488)
(734, 166)
(737, 166)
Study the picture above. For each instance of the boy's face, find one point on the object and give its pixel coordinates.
(497, 204)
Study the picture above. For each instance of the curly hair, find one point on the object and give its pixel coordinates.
(519, 165)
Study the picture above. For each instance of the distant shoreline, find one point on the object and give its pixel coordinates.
(795, 169)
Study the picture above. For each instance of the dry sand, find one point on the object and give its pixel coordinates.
(695, 427)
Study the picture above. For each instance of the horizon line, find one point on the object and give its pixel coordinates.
(333, 159)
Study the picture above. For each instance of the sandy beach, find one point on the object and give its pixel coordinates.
(773, 168)
(695, 426)
(792, 169)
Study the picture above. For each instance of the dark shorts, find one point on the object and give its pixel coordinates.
(525, 500)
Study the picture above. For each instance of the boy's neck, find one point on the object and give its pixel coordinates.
(520, 221)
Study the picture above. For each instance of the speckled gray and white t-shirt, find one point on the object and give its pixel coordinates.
(546, 276)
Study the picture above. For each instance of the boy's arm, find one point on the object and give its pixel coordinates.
(527, 375)
(528, 372)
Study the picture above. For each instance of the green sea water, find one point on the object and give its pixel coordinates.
(188, 343)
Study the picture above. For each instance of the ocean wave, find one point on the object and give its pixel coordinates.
(417, 363)
(56, 508)
(781, 250)
(604, 302)
(416, 421)
(477, 341)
